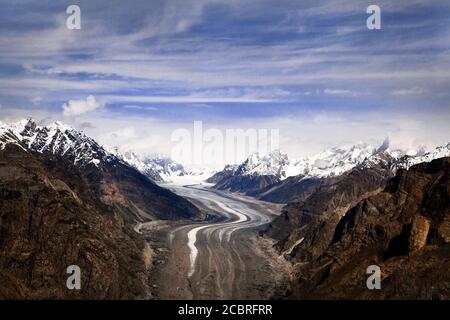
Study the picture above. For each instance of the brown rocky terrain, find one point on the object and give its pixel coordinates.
(54, 214)
(227, 172)
(403, 228)
(292, 189)
(247, 184)
(320, 211)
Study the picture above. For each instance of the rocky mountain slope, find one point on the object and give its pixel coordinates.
(403, 228)
(65, 200)
(331, 198)
(51, 217)
(255, 173)
(115, 181)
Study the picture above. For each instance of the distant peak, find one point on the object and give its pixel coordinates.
(384, 146)
(421, 150)
(61, 126)
(24, 122)
(276, 152)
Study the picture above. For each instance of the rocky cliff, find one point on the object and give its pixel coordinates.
(75, 205)
(404, 229)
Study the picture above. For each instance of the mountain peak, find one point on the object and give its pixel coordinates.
(157, 167)
(384, 146)
(55, 139)
(271, 164)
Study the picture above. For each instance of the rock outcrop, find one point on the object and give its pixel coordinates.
(404, 229)
(65, 200)
(315, 218)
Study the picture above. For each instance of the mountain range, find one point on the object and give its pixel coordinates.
(65, 199)
(348, 208)
(364, 217)
(276, 178)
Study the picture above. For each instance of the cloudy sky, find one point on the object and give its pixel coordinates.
(137, 70)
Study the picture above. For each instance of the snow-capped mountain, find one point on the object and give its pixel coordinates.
(329, 163)
(274, 164)
(165, 166)
(408, 161)
(193, 176)
(8, 137)
(63, 140)
(135, 161)
(275, 178)
(58, 139)
(332, 162)
(156, 167)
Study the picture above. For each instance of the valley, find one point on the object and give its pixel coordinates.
(65, 199)
(222, 259)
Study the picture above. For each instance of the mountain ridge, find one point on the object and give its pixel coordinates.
(115, 180)
(403, 228)
(308, 173)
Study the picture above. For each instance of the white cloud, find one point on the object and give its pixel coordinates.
(124, 134)
(207, 98)
(336, 91)
(77, 107)
(407, 92)
(140, 140)
(342, 92)
(28, 67)
(36, 100)
(136, 107)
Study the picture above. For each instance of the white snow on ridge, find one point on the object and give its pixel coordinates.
(440, 152)
(63, 140)
(330, 162)
(272, 164)
(8, 137)
(59, 139)
(336, 161)
(158, 168)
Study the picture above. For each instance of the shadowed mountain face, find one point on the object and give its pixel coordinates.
(112, 180)
(50, 218)
(135, 195)
(253, 175)
(291, 189)
(227, 172)
(267, 188)
(250, 185)
(328, 202)
(67, 201)
(404, 229)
